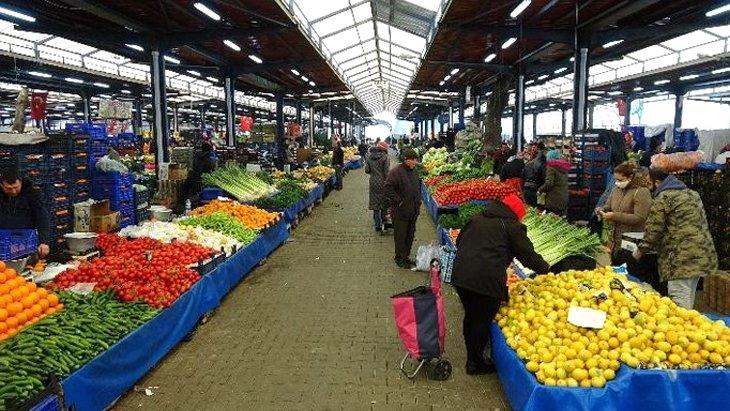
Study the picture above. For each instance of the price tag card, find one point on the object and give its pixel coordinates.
(586, 317)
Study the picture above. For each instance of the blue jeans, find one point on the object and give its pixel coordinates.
(378, 217)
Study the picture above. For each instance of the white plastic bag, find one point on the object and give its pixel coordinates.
(426, 254)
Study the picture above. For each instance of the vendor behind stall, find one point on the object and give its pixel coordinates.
(203, 162)
(21, 207)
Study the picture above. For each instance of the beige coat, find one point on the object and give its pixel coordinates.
(630, 207)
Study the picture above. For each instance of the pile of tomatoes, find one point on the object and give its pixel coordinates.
(141, 269)
(462, 192)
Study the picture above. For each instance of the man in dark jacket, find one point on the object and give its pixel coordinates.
(485, 248)
(338, 162)
(21, 207)
(535, 175)
(203, 162)
(403, 186)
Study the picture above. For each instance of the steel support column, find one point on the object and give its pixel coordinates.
(433, 126)
(461, 108)
(627, 114)
(534, 126)
(175, 118)
(310, 139)
(591, 109)
(299, 111)
(159, 105)
(519, 113)
(580, 81)
(280, 126)
(137, 118)
(201, 113)
(477, 105)
(86, 101)
(229, 87)
(678, 109)
(563, 115)
(332, 121)
(451, 114)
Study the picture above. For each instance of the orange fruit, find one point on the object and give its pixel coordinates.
(24, 291)
(14, 308)
(52, 300)
(11, 283)
(12, 322)
(16, 294)
(2, 266)
(50, 310)
(42, 292)
(37, 310)
(31, 286)
(12, 332)
(34, 297)
(4, 289)
(59, 306)
(10, 273)
(21, 317)
(43, 303)
(5, 300)
(27, 302)
(3, 277)
(3, 327)
(3, 314)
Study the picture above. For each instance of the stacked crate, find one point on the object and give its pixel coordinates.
(587, 178)
(118, 188)
(88, 143)
(141, 203)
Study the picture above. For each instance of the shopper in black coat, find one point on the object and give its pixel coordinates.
(338, 163)
(485, 248)
(21, 207)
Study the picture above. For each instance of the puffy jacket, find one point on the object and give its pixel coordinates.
(535, 171)
(630, 207)
(377, 165)
(556, 184)
(485, 248)
(676, 229)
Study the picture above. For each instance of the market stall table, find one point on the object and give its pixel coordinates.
(290, 214)
(100, 382)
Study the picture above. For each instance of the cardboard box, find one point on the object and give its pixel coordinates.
(303, 155)
(716, 291)
(177, 172)
(103, 219)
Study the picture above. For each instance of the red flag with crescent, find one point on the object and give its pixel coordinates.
(38, 106)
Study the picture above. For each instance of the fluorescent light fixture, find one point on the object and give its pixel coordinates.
(305, 78)
(560, 70)
(441, 83)
(102, 85)
(638, 88)
(612, 43)
(17, 15)
(296, 73)
(661, 82)
(40, 74)
(207, 11)
(543, 77)
(135, 47)
(490, 58)
(448, 76)
(172, 60)
(689, 77)
(720, 71)
(193, 72)
(232, 45)
(126, 92)
(255, 58)
(719, 10)
(74, 80)
(520, 8)
(572, 59)
(614, 93)
(528, 82)
(454, 71)
(510, 41)
(311, 83)
(213, 79)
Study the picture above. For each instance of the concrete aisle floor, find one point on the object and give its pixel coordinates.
(312, 328)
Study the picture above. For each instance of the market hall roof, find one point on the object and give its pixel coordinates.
(543, 37)
(253, 38)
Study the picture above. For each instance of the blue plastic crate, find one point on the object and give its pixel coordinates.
(15, 243)
(81, 157)
(126, 220)
(80, 196)
(143, 215)
(141, 197)
(596, 155)
(125, 207)
(81, 171)
(80, 144)
(32, 160)
(113, 178)
(49, 403)
(61, 215)
(58, 160)
(44, 176)
(113, 193)
(211, 193)
(595, 167)
(95, 131)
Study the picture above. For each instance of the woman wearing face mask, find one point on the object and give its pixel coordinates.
(626, 209)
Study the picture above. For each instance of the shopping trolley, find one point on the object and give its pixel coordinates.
(419, 317)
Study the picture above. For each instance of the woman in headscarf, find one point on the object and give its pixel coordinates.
(555, 187)
(377, 166)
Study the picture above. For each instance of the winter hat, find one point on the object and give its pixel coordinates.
(553, 155)
(515, 203)
(409, 154)
(383, 145)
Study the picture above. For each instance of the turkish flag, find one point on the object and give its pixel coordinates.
(621, 105)
(246, 123)
(38, 106)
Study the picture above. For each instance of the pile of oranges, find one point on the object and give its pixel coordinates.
(22, 303)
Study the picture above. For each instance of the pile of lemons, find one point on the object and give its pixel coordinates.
(642, 329)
